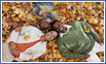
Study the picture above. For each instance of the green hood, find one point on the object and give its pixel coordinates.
(76, 42)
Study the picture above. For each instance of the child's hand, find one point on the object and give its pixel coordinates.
(51, 35)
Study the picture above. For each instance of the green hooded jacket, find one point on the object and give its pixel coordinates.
(77, 42)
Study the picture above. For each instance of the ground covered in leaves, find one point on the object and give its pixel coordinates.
(17, 14)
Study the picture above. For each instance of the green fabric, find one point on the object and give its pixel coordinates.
(77, 40)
